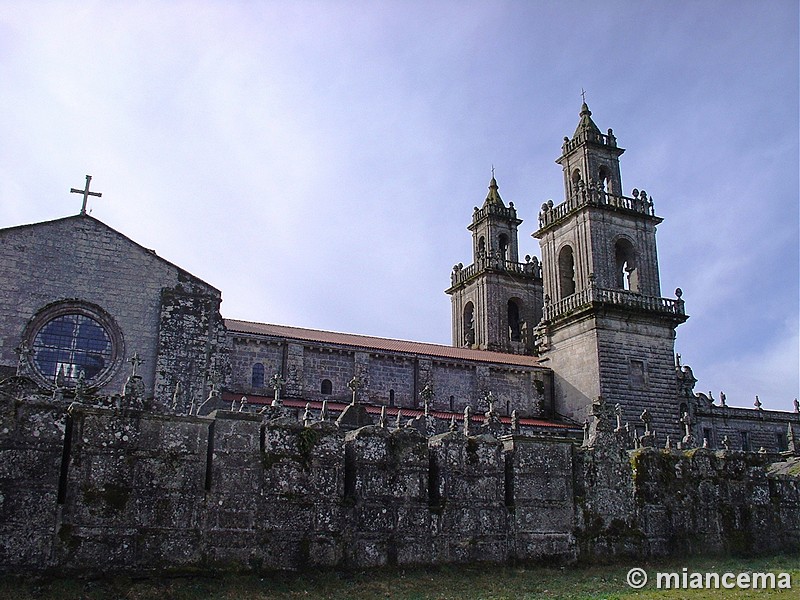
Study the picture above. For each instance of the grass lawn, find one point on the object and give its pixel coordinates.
(456, 582)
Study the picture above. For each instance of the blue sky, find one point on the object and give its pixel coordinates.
(319, 161)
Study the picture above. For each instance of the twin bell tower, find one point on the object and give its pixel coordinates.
(592, 308)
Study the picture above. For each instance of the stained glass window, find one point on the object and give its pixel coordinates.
(69, 344)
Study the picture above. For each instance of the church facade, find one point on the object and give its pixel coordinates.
(85, 311)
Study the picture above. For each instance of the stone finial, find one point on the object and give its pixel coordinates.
(277, 382)
(453, 426)
(23, 354)
(80, 387)
(618, 413)
(61, 377)
(722, 398)
(243, 404)
(382, 419)
(688, 438)
(705, 442)
(399, 420)
(489, 398)
(176, 396)
(649, 437)
(323, 413)
(791, 445)
(514, 421)
(726, 443)
(355, 384)
(646, 419)
(467, 420)
(757, 404)
(427, 394)
(796, 406)
(668, 444)
(307, 417)
(135, 361)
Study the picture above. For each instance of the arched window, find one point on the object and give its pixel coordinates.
(481, 246)
(391, 397)
(503, 246)
(566, 272)
(257, 377)
(626, 273)
(514, 324)
(469, 324)
(605, 180)
(452, 403)
(326, 387)
(576, 177)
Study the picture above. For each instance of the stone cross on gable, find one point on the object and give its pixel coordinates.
(86, 193)
(355, 384)
(135, 361)
(277, 382)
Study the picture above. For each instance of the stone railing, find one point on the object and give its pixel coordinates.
(499, 210)
(593, 195)
(531, 269)
(623, 298)
(587, 135)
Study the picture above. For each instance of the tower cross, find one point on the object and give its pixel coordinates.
(583, 95)
(86, 193)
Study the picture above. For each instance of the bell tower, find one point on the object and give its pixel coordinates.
(606, 330)
(497, 300)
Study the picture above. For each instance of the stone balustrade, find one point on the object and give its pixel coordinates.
(461, 274)
(593, 195)
(623, 298)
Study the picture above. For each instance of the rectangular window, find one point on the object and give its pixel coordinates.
(636, 373)
(708, 435)
(783, 442)
(745, 440)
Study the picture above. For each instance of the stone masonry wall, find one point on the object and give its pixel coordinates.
(111, 490)
(524, 389)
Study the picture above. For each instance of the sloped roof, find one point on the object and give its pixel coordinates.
(376, 343)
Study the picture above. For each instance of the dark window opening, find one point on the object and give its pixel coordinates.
(326, 387)
(626, 272)
(391, 397)
(637, 376)
(469, 324)
(257, 377)
(503, 242)
(566, 272)
(452, 403)
(745, 440)
(514, 324)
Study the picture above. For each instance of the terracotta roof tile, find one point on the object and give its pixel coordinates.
(376, 343)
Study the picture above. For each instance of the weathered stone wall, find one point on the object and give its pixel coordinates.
(81, 259)
(305, 366)
(122, 490)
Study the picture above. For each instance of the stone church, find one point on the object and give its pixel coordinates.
(86, 311)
